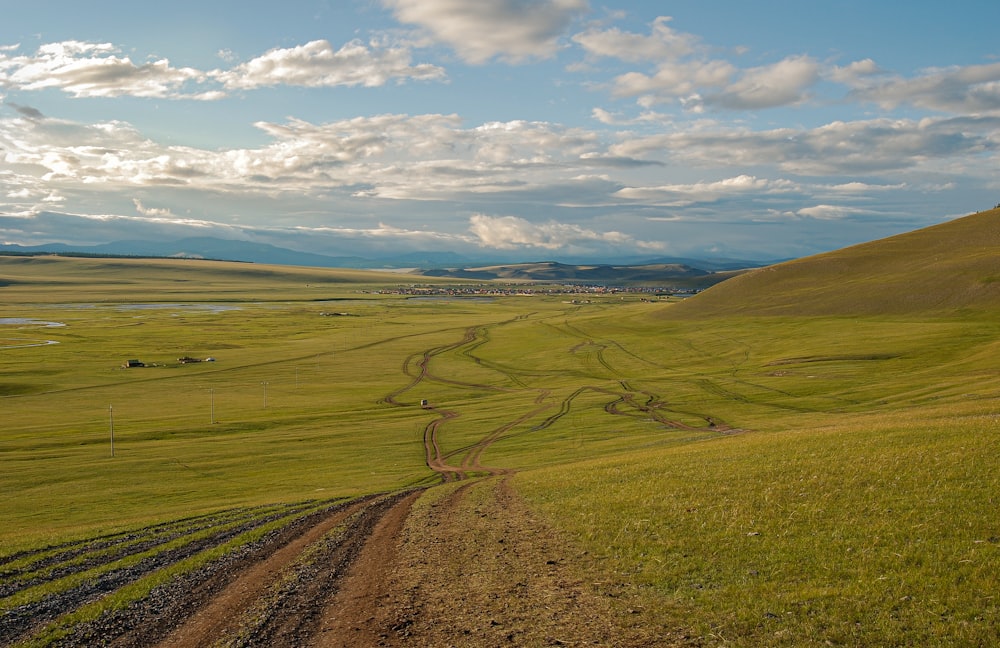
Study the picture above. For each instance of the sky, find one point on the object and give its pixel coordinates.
(518, 129)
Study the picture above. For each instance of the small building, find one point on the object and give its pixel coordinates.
(130, 364)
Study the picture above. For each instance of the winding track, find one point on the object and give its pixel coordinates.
(315, 582)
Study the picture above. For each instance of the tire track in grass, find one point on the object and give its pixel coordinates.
(32, 608)
(291, 613)
(471, 455)
(329, 583)
(350, 618)
(66, 560)
(218, 616)
(434, 458)
(652, 407)
(51, 615)
(432, 449)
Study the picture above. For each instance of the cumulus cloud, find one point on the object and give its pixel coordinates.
(864, 187)
(513, 30)
(150, 211)
(391, 156)
(704, 192)
(86, 70)
(97, 70)
(317, 64)
(684, 71)
(853, 72)
(512, 232)
(780, 84)
(962, 90)
(829, 212)
(680, 80)
(435, 163)
(382, 232)
(662, 44)
(838, 147)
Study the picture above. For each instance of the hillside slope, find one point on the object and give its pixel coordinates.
(943, 268)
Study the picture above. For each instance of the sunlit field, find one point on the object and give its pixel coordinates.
(753, 481)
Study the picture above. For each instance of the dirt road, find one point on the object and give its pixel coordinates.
(463, 563)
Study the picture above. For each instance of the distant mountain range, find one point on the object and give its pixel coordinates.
(195, 248)
(431, 263)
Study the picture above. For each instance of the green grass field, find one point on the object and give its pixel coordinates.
(754, 480)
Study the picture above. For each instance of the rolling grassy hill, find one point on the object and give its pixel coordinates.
(857, 506)
(939, 269)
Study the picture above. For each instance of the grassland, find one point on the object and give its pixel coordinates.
(752, 479)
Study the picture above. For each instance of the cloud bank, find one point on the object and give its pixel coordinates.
(644, 137)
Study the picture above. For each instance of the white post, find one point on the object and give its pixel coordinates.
(265, 393)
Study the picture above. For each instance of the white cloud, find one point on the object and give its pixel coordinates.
(96, 70)
(674, 80)
(701, 84)
(512, 232)
(87, 70)
(973, 89)
(780, 84)
(382, 232)
(422, 157)
(513, 30)
(705, 192)
(150, 211)
(864, 187)
(684, 71)
(663, 43)
(838, 147)
(317, 64)
(851, 73)
(830, 212)
(355, 168)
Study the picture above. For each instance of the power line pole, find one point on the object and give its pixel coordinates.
(111, 417)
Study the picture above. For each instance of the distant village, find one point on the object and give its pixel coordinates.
(513, 289)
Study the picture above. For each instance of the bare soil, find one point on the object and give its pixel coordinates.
(475, 567)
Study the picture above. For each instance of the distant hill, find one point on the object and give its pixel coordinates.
(218, 249)
(666, 274)
(205, 247)
(947, 267)
(457, 266)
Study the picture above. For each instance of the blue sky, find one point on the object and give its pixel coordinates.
(553, 129)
